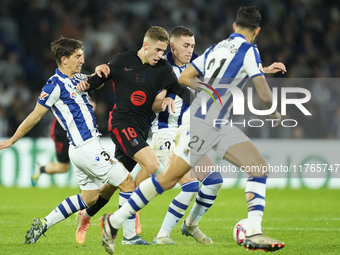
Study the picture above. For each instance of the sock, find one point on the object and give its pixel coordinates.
(146, 191)
(256, 186)
(205, 198)
(69, 206)
(129, 226)
(178, 206)
(42, 170)
(93, 209)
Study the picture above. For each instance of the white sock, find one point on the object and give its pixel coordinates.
(129, 229)
(205, 198)
(256, 186)
(69, 206)
(177, 207)
(146, 191)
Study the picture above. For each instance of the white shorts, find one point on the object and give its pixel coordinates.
(205, 137)
(163, 143)
(95, 166)
(182, 140)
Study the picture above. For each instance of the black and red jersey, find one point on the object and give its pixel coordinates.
(136, 85)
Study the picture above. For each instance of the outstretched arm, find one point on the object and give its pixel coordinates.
(189, 73)
(275, 67)
(32, 119)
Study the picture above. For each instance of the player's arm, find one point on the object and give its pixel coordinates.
(161, 102)
(100, 70)
(275, 67)
(32, 119)
(266, 96)
(189, 73)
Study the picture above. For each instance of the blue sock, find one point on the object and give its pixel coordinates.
(212, 184)
(69, 206)
(178, 206)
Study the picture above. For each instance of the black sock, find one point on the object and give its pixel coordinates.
(42, 170)
(93, 209)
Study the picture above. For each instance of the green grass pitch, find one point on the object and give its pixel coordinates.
(308, 221)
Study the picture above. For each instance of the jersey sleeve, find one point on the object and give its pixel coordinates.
(252, 63)
(49, 95)
(198, 63)
(95, 81)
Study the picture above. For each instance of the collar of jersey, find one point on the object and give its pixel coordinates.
(233, 35)
(61, 74)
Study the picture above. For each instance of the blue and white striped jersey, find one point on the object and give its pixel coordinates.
(71, 107)
(231, 61)
(171, 121)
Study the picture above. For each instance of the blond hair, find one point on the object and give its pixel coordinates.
(157, 34)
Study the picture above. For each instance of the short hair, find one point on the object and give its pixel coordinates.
(65, 47)
(157, 34)
(179, 31)
(248, 17)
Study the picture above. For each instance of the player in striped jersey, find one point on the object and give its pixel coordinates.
(91, 162)
(229, 142)
(164, 127)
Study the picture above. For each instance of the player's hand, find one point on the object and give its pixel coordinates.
(83, 86)
(277, 116)
(275, 67)
(105, 69)
(5, 144)
(170, 103)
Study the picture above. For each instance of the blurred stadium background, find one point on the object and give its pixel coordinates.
(303, 34)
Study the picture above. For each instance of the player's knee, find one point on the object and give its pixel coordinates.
(128, 184)
(63, 167)
(90, 197)
(152, 167)
(213, 178)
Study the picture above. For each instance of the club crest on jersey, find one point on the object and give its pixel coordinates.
(134, 142)
(186, 152)
(140, 78)
(74, 95)
(43, 94)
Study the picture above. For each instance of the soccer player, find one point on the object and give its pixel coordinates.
(138, 76)
(91, 162)
(235, 59)
(164, 127)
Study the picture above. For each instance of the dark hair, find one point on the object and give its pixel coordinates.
(181, 31)
(157, 34)
(65, 47)
(248, 17)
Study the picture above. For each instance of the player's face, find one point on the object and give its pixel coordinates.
(155, 51)
(182, 49)
(75, 61)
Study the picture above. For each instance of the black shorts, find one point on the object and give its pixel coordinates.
(128, 142)
(61, 142)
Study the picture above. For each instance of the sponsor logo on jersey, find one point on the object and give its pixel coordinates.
(43, 94)
(127, 69)
(138, 98)
(74, 95)
(140, 78)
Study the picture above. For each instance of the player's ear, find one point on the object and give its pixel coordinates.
(63, 60)
(145, 45)
(257, 31)
(234, 26)
(172, 45)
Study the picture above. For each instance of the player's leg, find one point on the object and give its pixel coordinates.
(177, 208)
(147, 190)
(245, 155)
(149, 163)
(211, 185)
